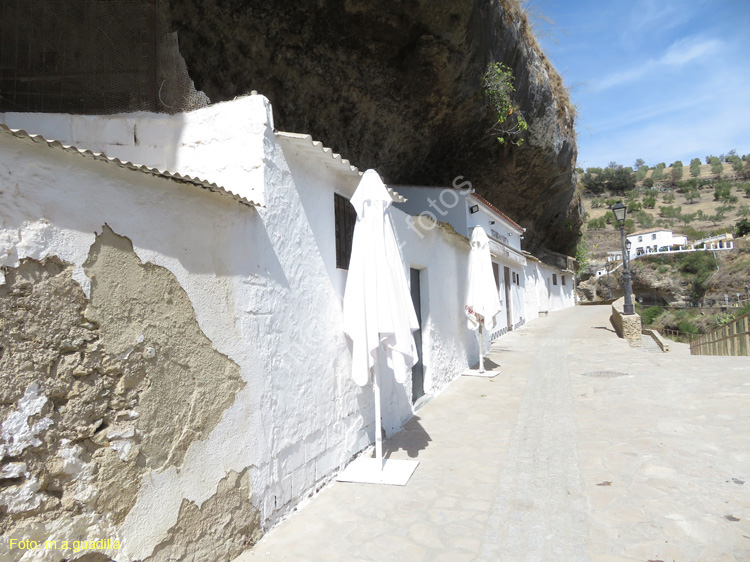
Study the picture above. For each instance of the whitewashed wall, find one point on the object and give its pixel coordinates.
(263, 284)
(449, 346)
(223, 140)
(493, 224)
(439, 204)
(210, 244)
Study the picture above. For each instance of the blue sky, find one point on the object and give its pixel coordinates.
(659, 80)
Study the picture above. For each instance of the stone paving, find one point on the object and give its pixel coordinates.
(581, 449)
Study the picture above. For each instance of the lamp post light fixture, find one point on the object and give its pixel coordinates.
(619, 210)
(628, 245)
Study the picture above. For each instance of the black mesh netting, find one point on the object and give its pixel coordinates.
(91, 56)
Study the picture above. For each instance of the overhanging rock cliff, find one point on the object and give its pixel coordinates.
(398, 86)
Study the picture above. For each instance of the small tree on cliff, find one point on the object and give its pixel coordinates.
(498, 87)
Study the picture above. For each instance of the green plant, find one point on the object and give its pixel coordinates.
(644, 219)
(676, 171)
(687, 327)
(700, 266)
(582, 254)
(651, 314)
(687, 218)
(668, 198)
(634, 206)
(723, 193)
(692, 233)
(669, 212)
(499, 90)
(649, 202)
(695, 167)
(736, 162)
(716, 167)
(742, 227)
(658, 173)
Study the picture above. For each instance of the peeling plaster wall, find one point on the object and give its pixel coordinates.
(265, 295)
(100, 406)
(126, 486)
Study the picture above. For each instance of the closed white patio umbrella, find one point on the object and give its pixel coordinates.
(482, 301)
(378, 311)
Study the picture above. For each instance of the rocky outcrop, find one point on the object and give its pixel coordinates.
(398, 86)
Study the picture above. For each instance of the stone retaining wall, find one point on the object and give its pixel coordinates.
(657, 337)
(628, 326)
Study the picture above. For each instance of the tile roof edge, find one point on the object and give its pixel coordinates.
(125, 164)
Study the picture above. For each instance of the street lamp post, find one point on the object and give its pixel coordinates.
(609, 287)
(619, 211)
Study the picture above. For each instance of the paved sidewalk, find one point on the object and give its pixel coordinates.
(558, 458)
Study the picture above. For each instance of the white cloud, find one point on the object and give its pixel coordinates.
(679, 53)
(688, 50)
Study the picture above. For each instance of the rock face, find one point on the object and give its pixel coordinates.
(398, 86)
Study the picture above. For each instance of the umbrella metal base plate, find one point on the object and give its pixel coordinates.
(366, 470)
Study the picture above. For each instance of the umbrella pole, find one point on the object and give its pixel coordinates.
(481, 351)
(378, 423)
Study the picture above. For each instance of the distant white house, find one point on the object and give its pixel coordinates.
(663, 241)
(655, 240)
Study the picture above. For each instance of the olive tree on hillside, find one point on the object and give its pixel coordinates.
(695, 167)
(621, 180)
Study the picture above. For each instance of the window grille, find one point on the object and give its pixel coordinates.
(345, 218)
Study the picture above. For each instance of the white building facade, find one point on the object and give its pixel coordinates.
(201, 288)
(655, 240)
(526, 285)
(246, 262)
